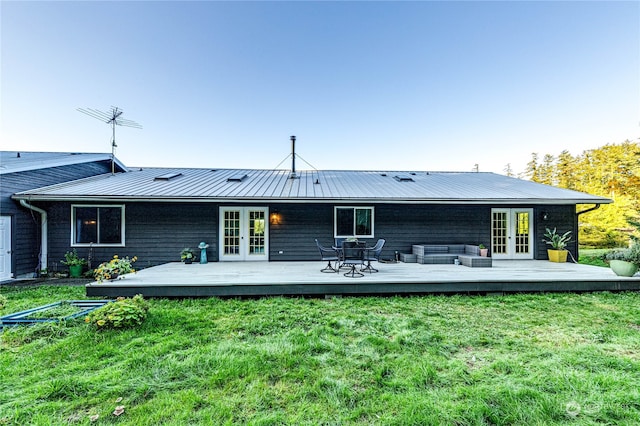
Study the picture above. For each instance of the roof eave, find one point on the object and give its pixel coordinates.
(498, 201)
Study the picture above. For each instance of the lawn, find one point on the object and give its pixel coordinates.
(536, 359)
(593, 257)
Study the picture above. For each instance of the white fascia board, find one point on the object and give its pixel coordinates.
(103, 198)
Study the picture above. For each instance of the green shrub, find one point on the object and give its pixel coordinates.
(600, 237)
(631, 254)
(3, 301)
(123, 313)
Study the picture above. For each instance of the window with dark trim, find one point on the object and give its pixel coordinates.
(97, 225)
(353, 222)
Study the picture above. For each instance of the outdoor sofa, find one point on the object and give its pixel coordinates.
(466, 254)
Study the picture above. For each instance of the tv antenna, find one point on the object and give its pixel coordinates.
(113, 117)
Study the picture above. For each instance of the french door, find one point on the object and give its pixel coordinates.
(512, 233)
(244, 233)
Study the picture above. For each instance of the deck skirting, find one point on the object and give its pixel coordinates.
(258, 279)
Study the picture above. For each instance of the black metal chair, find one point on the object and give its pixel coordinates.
(330, 255)
(352, 256)
(373, 254)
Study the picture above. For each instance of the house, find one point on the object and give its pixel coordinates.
(274, 215)
(23, 245)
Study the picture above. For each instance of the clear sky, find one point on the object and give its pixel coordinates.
(363, 85)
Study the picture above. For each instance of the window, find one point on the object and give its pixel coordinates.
(97, 225)
(353, 222)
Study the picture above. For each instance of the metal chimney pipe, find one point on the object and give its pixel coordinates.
(293, 157)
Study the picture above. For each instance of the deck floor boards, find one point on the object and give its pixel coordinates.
(229, 279)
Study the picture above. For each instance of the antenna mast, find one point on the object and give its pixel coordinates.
(113, 117)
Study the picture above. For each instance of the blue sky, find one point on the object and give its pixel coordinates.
(363, 85)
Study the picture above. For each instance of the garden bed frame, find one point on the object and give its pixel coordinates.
(85, 306)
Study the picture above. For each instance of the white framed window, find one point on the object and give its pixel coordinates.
(97, 225)
(353, 222)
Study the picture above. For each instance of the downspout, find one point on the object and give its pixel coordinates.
(44, 250)
(596, 207)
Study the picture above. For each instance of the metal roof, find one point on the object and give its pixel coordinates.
(20, 161)
(223, 185)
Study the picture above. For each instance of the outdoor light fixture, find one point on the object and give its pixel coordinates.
(545, 216)
(275, 218)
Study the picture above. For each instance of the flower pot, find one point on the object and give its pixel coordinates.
(188, 261)
(484, 252)
(623, 268)
(75, 271)
(558, 256)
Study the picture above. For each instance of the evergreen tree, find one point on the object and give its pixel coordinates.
(532, 168)
(611, 171)
(565, 170)
(546, 170)
(508, 170)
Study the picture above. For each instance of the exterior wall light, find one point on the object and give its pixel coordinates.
(275, 218)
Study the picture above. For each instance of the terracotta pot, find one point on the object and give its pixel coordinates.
(484, 252)
(623, 268)
(558, 256)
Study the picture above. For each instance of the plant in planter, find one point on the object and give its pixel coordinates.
(558, 243)
(625, 262)
(484, 251)
(187, 255)
(74, 262)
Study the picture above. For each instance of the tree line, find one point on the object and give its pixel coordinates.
(611, 171)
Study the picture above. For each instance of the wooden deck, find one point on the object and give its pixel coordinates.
(255, 279)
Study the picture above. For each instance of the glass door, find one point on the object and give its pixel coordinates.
(243, 233)
(511, 233)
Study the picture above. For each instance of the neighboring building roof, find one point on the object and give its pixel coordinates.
(20, 161)
(248, 185)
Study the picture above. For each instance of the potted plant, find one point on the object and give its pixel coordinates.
(558, 243)
(187, 255)
(625, 262)
(484, 251)
(115, 268)
(74, 262)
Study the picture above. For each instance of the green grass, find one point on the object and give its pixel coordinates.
(593, 257)
(542, 359)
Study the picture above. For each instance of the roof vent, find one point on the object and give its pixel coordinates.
(293, 158)
(403, 178)
(236, 178)
(168, 176)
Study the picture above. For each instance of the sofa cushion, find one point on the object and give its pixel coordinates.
(475, 261)
(442, 258)
(436, 249)
(456, 248)
(472, 250)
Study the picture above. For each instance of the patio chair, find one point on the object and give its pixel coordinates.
(373, 254)
(330, 255)
(352, 256)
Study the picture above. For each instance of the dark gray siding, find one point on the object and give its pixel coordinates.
(563, 218)
(157, 232)
(401, 225)
(154, 232)
(25, 223)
